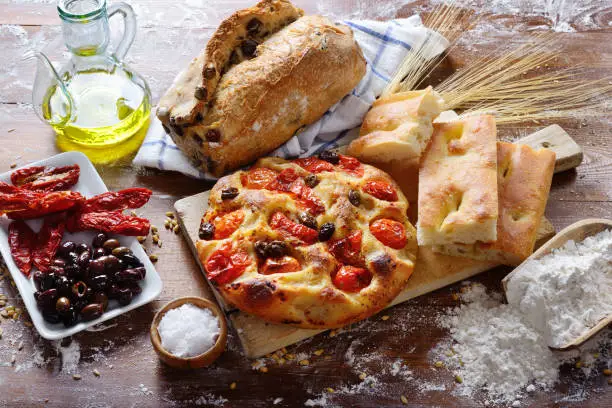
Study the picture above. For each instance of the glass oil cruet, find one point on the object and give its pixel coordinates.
(95, 101)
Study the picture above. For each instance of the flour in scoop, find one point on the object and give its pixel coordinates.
(188, 330)
(568, 291)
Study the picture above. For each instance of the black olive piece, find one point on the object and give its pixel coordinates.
(89, 293)
(70, 317)
(207, 231)
(79, 304)
(80, 248)
(124, 296)
(311, 180)
(48, 281)
(92, 311)
(79, 290)
(200, 93)
(96, 267)
(277, 249)
(59, 262)
(249, 48)
(121, 265)
(66, 247)
(134, 287)
(56, 270)
(38, 278)
(100, 298)
(326, 231)
(62, 304)
(253, 26)
(110, 244)
(308, 220)
(51, 316)
(99, 240)
(229, 193)
(131, 261)
(129, 275)
(261, 249)
(329, 156)
(71, 258)
(46, 300)
(72, 271)
(99, 283)
(84, 259)
(210, 72)
(121, 250)
(354, 197)
(113, 291)
(63, 285)
(213, 135)
(98, 252)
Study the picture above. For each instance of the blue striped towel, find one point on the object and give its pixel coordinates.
(384, 45)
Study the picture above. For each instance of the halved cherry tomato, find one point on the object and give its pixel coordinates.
(381, 190)
(390, 232)
(280, 265)
(226, 224)
(306, 197)
(283, 181)
(351, 279)
(258, 178)
(287, 227)
(314, 164)
(226, 264)
(347, 250)
(351, 165)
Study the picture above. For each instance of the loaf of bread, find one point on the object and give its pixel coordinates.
(524, 177)
(265, 74)
(458, 184)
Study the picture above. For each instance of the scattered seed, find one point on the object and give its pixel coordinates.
(176, 229)
(282, 361)
(263, 369)
(595, 355)
(0, 333)
(167, 224)
(404, 399)
(4, 313)
(385, 317)
(27, 324)
(155, 239)
(141, 239)
(289, 356)
(333, 333)
(154, 229)
(319, 352)
(607, 372)
(362, 376)
(458, 379)
(20, 346)
(96, 373)
(233, 386)
(2, 302)
(153, 258)
(449, 353)
(133, 214)
(578, 364)
(13, 165)
(170, 214)
(76, 377)
(304, 362)
(329, 389)
(159, 244)
(439, 364)
(13, 360)
(455, 296)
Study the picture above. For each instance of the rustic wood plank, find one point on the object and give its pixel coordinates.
(568, 152)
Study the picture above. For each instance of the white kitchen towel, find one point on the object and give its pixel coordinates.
(384, 45)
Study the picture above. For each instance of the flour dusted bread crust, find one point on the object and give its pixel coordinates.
(267, 245)
(524, 177)
(458, 184)
(266, 73)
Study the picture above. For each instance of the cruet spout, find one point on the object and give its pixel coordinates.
(51, 100)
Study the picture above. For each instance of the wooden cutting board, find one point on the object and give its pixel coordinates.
(433, 271)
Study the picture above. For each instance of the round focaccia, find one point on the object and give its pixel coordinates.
(315, 243)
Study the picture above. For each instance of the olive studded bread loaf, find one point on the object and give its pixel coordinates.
(266, 72)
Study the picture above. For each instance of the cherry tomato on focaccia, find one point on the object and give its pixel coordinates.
(226, 224)
(306, 197)
(348, 250)
(389, 232)
(226, 264)
(314, 165)
(351, 279)
(258, 178)
(381, 190)
(287, 227)
(280, 265)
(351, 165)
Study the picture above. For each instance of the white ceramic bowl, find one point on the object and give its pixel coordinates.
(89, 184)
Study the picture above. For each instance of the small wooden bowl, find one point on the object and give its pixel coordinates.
(199, 361)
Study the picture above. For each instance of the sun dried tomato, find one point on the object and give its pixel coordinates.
(226, 264)
(381, 190)
(46, 178)
(48, 240)
(351, 279)
(280, 265)
(40, 204)
(390, 232)
(109, 221)
(118, 200)
(21, 241)
(226, 224)
(258, 178)
(314, 164)
(347, 250)
(351, 165)
(287, 227)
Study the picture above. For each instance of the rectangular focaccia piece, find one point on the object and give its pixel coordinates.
(524, 176)
(458, 183)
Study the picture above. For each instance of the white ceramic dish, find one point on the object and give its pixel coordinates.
(89, 184)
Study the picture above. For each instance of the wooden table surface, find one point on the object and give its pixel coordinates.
(170, 34)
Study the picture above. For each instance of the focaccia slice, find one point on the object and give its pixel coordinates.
(524, 177)
(458, 184)
(397, 128)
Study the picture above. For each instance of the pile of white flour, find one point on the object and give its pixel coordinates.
(568, 291)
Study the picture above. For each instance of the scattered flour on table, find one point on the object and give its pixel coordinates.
(70, 355)
(568, 291)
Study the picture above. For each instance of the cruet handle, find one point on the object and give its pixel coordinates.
(129, 32)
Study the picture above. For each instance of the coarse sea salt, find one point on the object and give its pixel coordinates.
(188, 330)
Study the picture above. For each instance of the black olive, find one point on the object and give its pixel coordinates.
(213, 135)
(229, 193)
(72, 271)
(249, 48)
(81, 248)
(66, 247)
(79, 304)
(99, 283)
(210, 72)
(207, 231)
(110, 244)
(253, 26)
(326, 231)
(261, 249)
(79, 290)
(111, 263)
(121, 265)
(200, 93)
(329, 156)
(99, 240)
(92, 311)
(48, 281)
(98, 252)
(307, 220)
(71, 258)
(311, 180)
(130, 275)
(51, 316)
(84, 258)
(59, 262)
(56, 270)
(130, 260)
(46, 300)
(121, 250)
(63, 285)
(124, 296)
(113, 291)
(354, 197)
(96, 267)
(62, 305)
(70, 317)
(134, 287)
(277, 249)
(100, 298)
(38, 278)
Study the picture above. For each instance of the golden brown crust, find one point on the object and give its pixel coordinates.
(458, 183)
(308, 298)
(524, 177)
